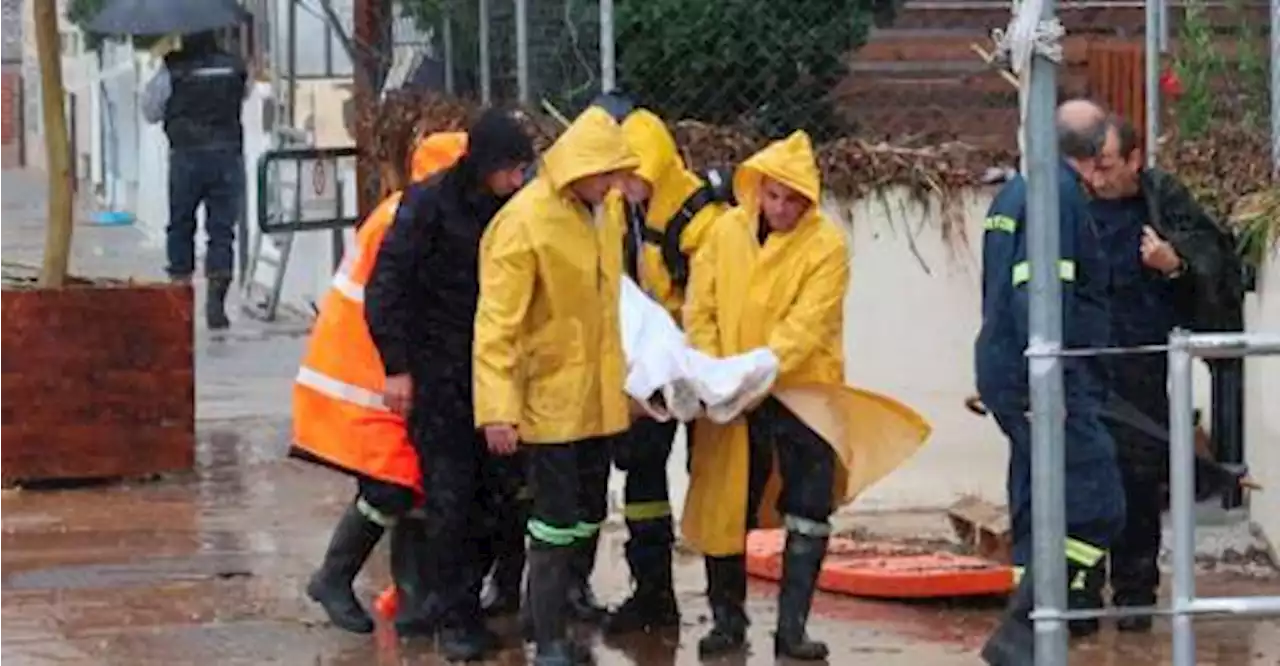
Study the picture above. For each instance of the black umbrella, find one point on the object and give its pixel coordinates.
(164, 17)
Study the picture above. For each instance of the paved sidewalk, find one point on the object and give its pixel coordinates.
(243, 372)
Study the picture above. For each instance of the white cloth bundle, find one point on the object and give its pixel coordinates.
(661, 361)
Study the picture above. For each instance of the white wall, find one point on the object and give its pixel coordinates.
(909, 334)
(1262, 395)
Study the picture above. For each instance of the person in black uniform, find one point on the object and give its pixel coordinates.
(198, 94)
(420, 306)
(1172, 267)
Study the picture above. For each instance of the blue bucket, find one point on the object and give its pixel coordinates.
(111, 218)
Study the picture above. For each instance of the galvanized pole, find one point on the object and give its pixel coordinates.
(486, 82)
(522, 51)
(1164, 26)
(608, 64)
(1275, 88)
(1048, 461)
(1182, 519)
(446, 35)
(277, 77)
(1152, 61)
(291, 80)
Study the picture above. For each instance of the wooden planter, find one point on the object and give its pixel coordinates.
(98, 382)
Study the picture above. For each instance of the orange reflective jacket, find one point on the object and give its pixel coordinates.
(339, 418)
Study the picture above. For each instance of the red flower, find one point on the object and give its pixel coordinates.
(1170, 84)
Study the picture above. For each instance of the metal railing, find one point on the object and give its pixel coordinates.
(271, 218)
(1183, 348)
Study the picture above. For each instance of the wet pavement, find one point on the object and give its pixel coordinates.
(209, 567)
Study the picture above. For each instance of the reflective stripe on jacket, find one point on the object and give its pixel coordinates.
(338, 412)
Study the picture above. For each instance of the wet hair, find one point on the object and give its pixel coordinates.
(1129, 140)
(497, 140)
(1083, 141)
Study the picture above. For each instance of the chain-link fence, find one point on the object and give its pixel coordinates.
(754, 64)
(912, 72)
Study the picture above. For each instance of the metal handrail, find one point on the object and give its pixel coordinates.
(269, 224)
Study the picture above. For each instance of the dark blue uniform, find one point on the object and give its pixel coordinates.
(1144, 311)
(1094, 496)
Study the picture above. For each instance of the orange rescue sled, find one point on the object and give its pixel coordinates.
(884, 569)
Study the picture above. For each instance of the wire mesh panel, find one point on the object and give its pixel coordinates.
(770, 66)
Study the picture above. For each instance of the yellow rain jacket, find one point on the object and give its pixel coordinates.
(789, 296)
(671, 184)
(548, 347)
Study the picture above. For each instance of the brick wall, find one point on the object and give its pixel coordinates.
(919, 78)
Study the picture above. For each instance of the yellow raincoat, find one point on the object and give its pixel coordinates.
(671, 185)
(548, 347)
(789, 296)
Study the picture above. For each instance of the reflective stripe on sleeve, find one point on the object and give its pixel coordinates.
(339, 390)
(348, 287)
(1022, 271)
(1000, 223)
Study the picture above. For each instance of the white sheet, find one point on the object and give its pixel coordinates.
(661, 361)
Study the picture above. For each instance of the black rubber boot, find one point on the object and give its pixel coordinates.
(526, 607)
(653, 604)
(549, 576)
(215, 308)
(801, 564)
(582, 603)
(1131, 598)
(1013, 643)
(501, 595)
(353, 539)
(469, 643)
(464, 636)
(417, 612)
(727, 593)
(1086, 593)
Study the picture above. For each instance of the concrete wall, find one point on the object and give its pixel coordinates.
(912, 314)
(1262, 395)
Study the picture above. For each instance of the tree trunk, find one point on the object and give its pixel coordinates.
(57, 244)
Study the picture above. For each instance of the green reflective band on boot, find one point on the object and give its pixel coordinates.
(647, 510)
(1083, 553)
(1022, 272)
(810, 528)
(375, 516)
(585, 530)
(556, 536)
(1000, 223)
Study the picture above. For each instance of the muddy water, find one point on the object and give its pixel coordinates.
(208, 568)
